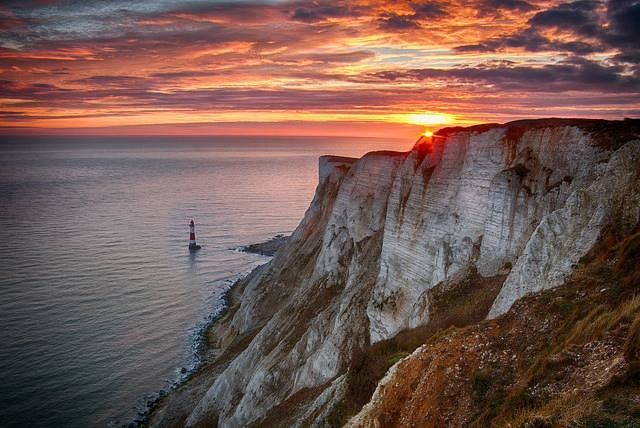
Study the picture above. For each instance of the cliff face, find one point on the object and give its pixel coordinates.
(535, 200)
(310, 303)
(523, 201)
(565, 357)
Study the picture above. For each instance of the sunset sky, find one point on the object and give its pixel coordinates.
(305, 67)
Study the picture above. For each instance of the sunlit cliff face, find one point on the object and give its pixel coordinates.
(313, 66)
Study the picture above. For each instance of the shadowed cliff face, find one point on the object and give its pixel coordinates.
(523, 202)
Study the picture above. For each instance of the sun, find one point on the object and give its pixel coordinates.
(426, 119)
(427, 133)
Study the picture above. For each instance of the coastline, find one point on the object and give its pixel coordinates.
(206, 356)
(201, 357)
(283, 352)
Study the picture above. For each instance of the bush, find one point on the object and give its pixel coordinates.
(632, 345)
(597, 421)
(481, 381)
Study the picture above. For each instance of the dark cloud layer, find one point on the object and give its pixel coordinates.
(580, 17)
(531, 40)
(574, 74)
(419, 12)
(317, 12)
(519, 5)
(596, 26)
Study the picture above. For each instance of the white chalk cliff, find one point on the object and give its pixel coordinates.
(526, 199)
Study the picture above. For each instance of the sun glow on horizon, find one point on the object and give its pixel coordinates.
(427, 133)
(427, 119)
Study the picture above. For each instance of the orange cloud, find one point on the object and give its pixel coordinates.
(379, 62)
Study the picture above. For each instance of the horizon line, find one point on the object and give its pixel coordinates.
(197, 135)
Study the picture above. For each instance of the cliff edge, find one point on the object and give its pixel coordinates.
(471, 222)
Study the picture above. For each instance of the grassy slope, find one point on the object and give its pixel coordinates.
(564, 357)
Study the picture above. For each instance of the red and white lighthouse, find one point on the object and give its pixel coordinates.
(192, 237)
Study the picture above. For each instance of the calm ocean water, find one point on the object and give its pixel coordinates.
(100, 301)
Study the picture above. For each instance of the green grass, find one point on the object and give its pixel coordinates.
(395, 357)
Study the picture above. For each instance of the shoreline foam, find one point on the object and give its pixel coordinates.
(200, 348)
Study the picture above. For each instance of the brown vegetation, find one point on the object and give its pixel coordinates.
(567, 357)
(451, 305)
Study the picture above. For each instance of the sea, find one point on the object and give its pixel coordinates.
(102, 306)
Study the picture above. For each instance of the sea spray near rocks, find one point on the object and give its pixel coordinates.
(198, 351)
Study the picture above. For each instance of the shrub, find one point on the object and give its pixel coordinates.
(632, 345)
(481, 381)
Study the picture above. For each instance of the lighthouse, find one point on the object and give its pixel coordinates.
(192, 237)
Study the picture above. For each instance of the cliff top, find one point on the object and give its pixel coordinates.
(333, 158)
(608, 134)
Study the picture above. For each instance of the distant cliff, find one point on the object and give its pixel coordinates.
(394, 248)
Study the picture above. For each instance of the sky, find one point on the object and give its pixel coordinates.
(311, 67)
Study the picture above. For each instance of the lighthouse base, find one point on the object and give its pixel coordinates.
(193, 247)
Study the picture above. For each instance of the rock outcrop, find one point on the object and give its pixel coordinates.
(525, 201)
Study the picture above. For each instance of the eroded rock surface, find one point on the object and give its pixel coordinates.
(524, 200)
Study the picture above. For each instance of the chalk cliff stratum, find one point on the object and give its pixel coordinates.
(520, 203)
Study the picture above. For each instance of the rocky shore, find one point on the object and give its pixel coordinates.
(267, 248)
